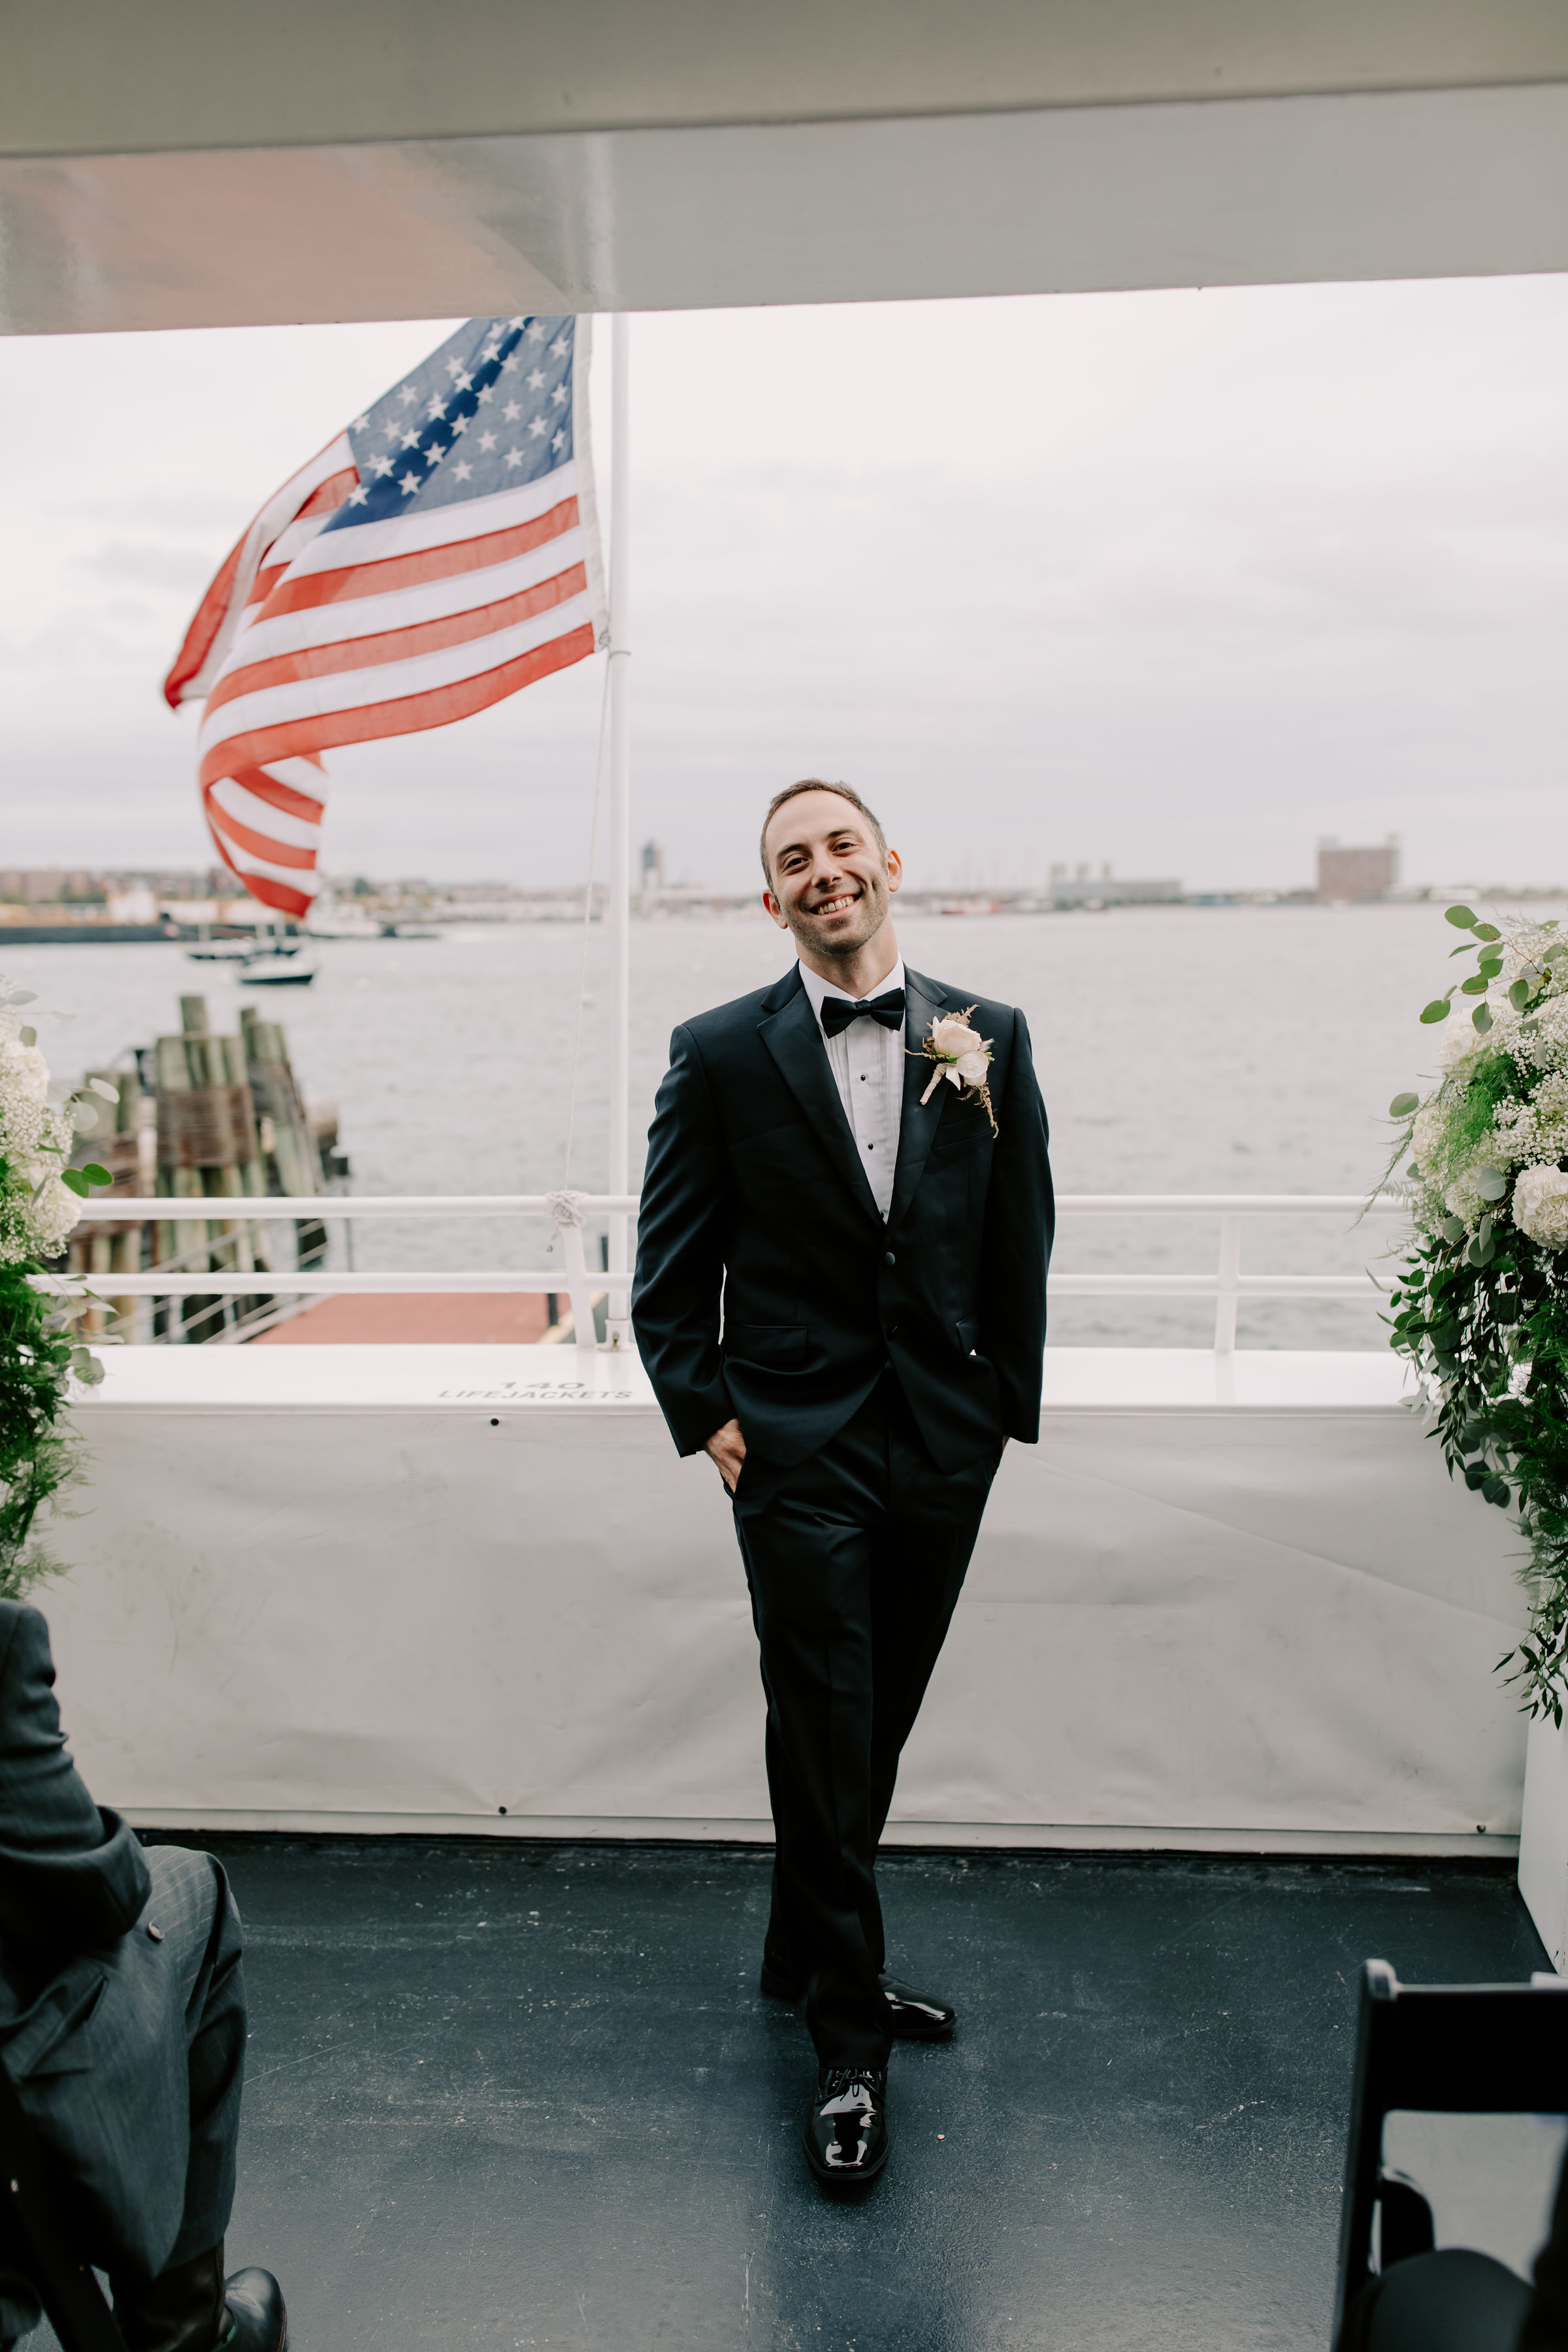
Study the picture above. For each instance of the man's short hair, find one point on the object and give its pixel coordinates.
(816, 785)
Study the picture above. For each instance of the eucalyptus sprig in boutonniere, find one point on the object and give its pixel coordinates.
(963, 1056)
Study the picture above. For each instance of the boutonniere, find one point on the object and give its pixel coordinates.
(963, 1056)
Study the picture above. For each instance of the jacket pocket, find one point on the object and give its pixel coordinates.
(959, 1138)
(770, 1345)
(49, 2037)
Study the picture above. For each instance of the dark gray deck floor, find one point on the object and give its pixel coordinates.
(506, 2095)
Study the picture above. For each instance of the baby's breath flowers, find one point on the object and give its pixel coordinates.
(1481, 1304)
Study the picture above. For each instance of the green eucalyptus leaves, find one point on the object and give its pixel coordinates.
(1481, 1307)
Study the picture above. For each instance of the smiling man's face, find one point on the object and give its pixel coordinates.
(832, 879)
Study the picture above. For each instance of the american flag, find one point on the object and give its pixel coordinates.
(440, 553)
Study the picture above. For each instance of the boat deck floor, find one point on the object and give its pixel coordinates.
(504, 2094)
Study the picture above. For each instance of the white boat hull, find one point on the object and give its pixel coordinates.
(1238, 1610)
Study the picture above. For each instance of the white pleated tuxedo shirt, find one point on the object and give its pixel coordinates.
(867, 1066)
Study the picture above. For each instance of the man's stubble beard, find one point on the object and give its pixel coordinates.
(877, 906)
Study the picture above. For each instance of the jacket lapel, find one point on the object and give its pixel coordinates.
(795, 1041)
(916, 1126)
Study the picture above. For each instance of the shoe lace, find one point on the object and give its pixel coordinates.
(837, 2084)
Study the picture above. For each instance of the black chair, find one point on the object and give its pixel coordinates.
(34, 2240)
(1437, 2049)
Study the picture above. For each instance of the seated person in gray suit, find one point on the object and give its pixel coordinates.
(123, 2026)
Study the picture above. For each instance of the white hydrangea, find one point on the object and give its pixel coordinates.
(1462, 1201)
(36, 1211)
(1461, 1040)
(23, 1070)
(1541, 1206)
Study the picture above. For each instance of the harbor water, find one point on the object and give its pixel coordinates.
(1181, 1049)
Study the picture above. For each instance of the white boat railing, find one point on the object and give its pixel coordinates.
(570, 1212)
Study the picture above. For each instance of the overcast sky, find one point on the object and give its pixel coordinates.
(1174, 580)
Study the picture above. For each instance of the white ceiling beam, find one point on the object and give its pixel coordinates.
(204, 163)
(100, 76)
(1445, 184)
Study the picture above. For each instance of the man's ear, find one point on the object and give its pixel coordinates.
(775, 909)
(895, 870)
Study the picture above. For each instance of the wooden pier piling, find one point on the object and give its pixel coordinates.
(101, 1246)
(226, 1124)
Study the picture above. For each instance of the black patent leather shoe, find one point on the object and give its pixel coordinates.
(194, 2308)
(257, 2318)
(847, 2130)
(917, 2016)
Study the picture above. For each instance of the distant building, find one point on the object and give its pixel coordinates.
(653, 882)
(52, 885)
(1347, 873)
(48, 887)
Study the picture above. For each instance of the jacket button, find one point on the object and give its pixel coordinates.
(893, 1330)
(889, 1258)
(156, 1933)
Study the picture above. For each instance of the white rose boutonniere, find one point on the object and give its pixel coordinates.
(963, 1056)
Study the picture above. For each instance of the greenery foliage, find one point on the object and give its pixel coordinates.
(38, 1457)
(40, 1199)
(1480, 1307)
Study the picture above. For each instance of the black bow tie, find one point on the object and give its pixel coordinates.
(838, 1011)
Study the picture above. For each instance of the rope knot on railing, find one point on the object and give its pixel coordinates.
(566, 1209)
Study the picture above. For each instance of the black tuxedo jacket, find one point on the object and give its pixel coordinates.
(754, 1198)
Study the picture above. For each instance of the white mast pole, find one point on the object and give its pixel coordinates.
(620, 907)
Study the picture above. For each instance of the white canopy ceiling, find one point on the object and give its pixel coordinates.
(183, 163)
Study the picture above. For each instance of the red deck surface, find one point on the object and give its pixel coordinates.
(429, 1317)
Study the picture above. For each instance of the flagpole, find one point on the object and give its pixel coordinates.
(619, 910)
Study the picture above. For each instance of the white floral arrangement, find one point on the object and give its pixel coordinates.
(41, 1197)
(1480, 1307)
(1500, 1102)
(37, 1207)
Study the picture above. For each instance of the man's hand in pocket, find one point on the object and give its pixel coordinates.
(728, 1448)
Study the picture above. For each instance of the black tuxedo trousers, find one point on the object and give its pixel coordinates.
(855, 1558)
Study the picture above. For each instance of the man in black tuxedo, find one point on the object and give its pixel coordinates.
(841, 1297)
(123, 2027)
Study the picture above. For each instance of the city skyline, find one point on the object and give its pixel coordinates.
(1347, 872)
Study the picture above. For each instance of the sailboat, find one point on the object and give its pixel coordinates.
(275, 963)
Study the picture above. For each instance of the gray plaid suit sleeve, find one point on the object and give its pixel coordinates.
(71, 1874)
(122, 1997)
